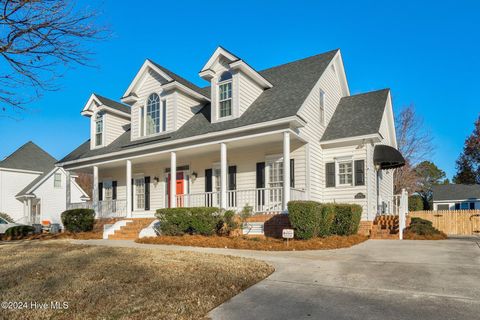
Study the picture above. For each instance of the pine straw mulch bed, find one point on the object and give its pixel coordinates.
(264, 243)
(408, 235)
(120, 283)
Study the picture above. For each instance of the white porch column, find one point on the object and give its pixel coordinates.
(128, 183)
(173, 180)
(286, 170)
(68, 190)
(29, 210)
(95, 189)
(223, 175)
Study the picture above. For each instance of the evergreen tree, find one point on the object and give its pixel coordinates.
(468, 164)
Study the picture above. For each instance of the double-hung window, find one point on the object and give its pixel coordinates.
(99, 129)
(275, 179)
(225, 95)
(345, 173)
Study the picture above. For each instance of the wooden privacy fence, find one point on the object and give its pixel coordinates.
(453, 222)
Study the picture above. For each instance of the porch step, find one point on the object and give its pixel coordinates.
(131, 230)
(385, 227)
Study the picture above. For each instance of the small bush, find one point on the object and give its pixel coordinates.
(422, 227)
(197, 220)
(305, 218)
(415, 203)
(18, 232)
(6, 217)
(327, 215)
(347, 219)
(78, 220)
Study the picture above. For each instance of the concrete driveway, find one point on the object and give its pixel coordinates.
(378, 279)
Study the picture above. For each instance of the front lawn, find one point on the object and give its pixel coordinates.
(260, 243)
(119, 283)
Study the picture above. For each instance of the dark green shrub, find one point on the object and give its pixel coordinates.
(347, 219)
(415, 203)
(327, 215)
(227, 223)
(305, 218)
(18, 232)
(78, 220)
(422, 227)
(197, 220)
(6, 217)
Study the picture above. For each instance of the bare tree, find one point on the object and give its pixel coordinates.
(37, 39)
(415, 144)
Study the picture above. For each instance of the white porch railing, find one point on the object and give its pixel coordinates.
(104, 209)
(262, 200)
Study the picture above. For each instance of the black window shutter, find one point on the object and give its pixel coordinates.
(359, 172)
(292, 173)
(260, 183)
(330, 174)
(100, 191)
(208, 180)
(457, 206)
(232, 177)
(472, 205)
(114, 190)
(147, 193)
(260, 175)
(132, 194)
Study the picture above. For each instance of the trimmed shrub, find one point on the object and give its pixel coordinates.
(18, 232)
(327, 215)
(415, 203)
(423, 227)
(78, 220)
(305, 218)
(196, 220)
(347, 219)
(6, 217)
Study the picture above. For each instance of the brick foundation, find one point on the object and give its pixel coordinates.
(273, 224)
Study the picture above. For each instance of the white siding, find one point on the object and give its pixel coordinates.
(248, 92)
(53, 201)
(12, 183)
(186, 108)
(313, 131)
(114, 127)
(345, 194)
(150, 84)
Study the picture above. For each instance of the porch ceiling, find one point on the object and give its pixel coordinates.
(272, 143)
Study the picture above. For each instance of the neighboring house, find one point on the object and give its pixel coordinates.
(456, 197)
(250, 138)
(32, 188)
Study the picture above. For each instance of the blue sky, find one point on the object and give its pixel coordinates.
(427, 53)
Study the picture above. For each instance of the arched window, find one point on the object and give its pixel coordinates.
(225, 95)
(152, 122)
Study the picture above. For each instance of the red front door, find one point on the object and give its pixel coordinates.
(179, 188)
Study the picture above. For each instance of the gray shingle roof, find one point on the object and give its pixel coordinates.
(182, 80)
(113, 104)
(29, 157)
(292, 82)
(456, 192)
(357, 115)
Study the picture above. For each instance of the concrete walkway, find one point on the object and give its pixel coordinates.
(378, 279)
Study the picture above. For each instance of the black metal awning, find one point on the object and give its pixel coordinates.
(386, 157)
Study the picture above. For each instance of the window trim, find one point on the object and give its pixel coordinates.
(219, 85)
(142, 117)
(55, 175)
(321, 101)
(340, 162)
(99, 117)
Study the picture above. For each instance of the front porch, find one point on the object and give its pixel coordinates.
(260, 174)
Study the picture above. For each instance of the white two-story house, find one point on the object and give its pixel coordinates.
(249, 138)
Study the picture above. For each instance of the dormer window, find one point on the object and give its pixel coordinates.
(225, 95)
(99, 129)
(153, 118)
